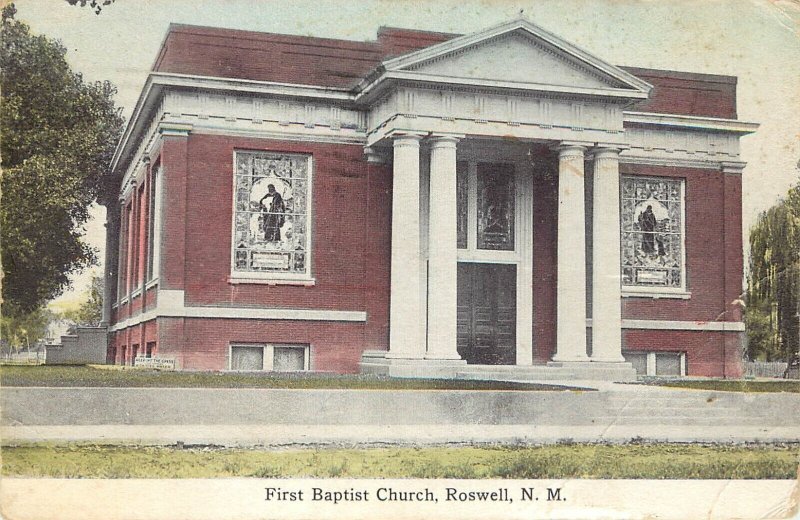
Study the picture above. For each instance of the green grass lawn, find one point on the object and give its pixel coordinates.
(87, 376)
(631, 461)
(731, 385)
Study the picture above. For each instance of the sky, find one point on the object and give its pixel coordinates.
(756, 40)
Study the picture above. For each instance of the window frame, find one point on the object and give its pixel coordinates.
(268, 358)
(656, 291)
(305, 278)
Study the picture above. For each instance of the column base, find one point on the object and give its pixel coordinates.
(378, 362)
(614, 359)
(443, 357)
(400, 355)
(565, 359)
(598, 371)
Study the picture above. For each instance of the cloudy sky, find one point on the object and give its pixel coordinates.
(756, 40)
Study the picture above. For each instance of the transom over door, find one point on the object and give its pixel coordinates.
(487, 313)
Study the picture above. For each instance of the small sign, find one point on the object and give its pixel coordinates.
(651, 277)
(274, 261)
(154, 362)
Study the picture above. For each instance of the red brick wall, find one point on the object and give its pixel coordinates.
(340, 227)
(545, 255)
(378, 245)
(140, 335)
(174, 158)
(710, 354)
(335, 347)
(705, 249)
(687, 93)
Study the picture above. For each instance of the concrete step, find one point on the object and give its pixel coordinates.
(674, 412)
(681, 420)
(514, 373)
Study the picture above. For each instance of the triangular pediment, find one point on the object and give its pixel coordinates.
(517, 53)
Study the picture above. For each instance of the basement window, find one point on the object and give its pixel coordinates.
(269, 358)
(664, 364)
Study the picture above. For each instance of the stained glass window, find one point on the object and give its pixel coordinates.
(495, 206)
(652, 231)
(462, 203)
(271, 216)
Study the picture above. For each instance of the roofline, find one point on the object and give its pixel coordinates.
(518, 23)
(158, 80)
(690, 122)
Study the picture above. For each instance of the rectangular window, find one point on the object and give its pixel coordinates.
(122, 278)
(272, 216)
(652, 221)
(153, 214)
(275, 358)
(496, 206)
(150, 348)
(141, 238)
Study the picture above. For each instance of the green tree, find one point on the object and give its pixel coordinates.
(90, 311)
(58, 138)
(773, 295)
(21, 330)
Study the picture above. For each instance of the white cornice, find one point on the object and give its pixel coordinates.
(251, 86)
(157, 81)
(690, 122)
(411, 76)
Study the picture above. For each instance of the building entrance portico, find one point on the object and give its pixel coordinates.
(478, 198)
(469, 150)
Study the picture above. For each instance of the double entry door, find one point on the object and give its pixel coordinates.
(487, 314)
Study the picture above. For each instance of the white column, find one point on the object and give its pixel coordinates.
(442, 250)
(405, 335)
(606, 292)
(571, 291)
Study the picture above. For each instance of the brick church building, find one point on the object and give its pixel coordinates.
(425, 204)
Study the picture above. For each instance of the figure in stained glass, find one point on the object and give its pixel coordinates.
(273, 214)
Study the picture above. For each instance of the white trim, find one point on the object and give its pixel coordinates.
(158, 215)
(673, 162)
(714, 326)
(152, 283)
(305, 282)
(693, 122)
(242, 313)
(718, 326)
(647, 292)
(250, 86)
(651, 364)
(157, 81)
(303, 134)
(502, 85)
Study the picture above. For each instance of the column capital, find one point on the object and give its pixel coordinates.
(571, 148)
(608, 150)
(375, 156)
(173, 129)
(734, 168)
(407, 136)
(444, 140)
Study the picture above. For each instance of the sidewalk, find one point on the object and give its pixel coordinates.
(279, 417)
